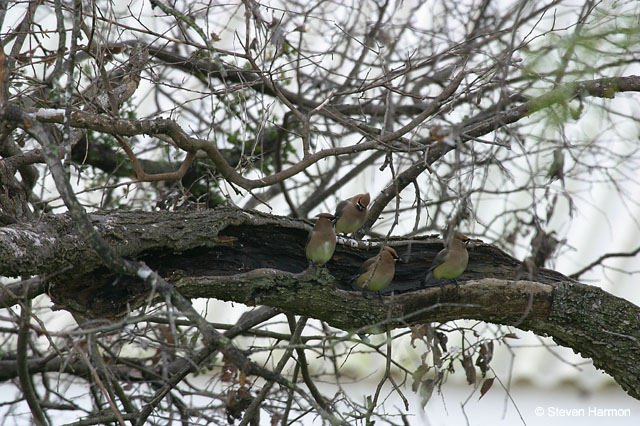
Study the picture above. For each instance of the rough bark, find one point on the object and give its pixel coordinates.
(258, 259)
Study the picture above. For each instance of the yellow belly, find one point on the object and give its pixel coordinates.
(379, 281)
(322, 254)
(345, 227)
(443, 272)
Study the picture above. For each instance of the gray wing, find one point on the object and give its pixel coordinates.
(367, 263)
(308, 238)
(313, 231)
(439, 259)
(340, 207)
(363, 268)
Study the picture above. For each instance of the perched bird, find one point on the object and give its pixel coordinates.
(322, 240)
(377, 272)
(351, 213)
(451, 261)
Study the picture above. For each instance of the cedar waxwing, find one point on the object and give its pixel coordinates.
(322, 240)
(378, 271)
(351, 213)
(450, 262)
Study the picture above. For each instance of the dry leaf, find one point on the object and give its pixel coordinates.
(469, 369)
(486, 385)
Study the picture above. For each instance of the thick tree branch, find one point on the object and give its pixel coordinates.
(255, 258)
(10, 294)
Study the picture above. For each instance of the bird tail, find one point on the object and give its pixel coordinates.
(352, 280)
(429, 280)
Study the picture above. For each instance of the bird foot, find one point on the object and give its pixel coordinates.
(449, 281)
